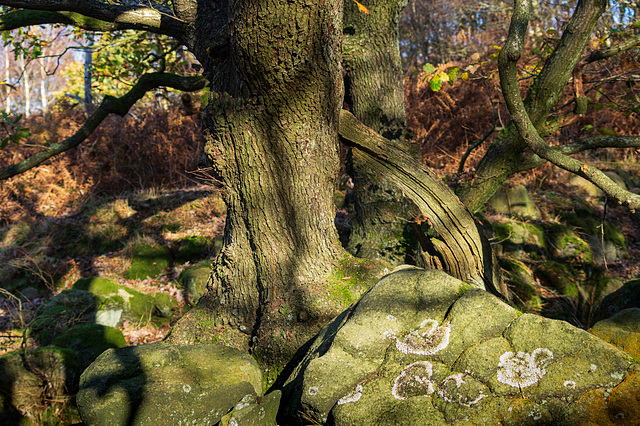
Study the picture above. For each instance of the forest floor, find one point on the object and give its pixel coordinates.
(137, 180)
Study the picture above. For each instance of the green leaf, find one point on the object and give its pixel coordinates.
(428, 68)
(587, 128)
(436, 83)
(452, 75)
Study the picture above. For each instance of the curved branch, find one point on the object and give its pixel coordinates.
(507, 59)
(109, 105)
(462, 248)
(92, 12)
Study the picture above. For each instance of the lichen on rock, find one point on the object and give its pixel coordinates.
(426, 340)
(414, 381)
(523, 369)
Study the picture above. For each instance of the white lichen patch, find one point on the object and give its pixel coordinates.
(186, 388)
(414, 381)
(456, 389)
(570, 384)
(594, 367)
(353, 396)
(312, 391)
(425, 340)
(389, 334)
(535, 414)
(523, 369)
(391, 317)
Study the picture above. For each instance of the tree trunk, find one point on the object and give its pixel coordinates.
(271, 127)
(382, 214)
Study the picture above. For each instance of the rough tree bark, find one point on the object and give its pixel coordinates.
(271, 127)
(382, 215)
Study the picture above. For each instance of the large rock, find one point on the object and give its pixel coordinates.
(514, 202)
(627, 296)
(90, 340)
(422, 348)
(162, 384)
(98, 301)
(621, 330)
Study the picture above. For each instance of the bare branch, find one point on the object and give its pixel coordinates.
(92, 15)
(24, 18)
(596, 142)
(109, 105)
(597, 55)
(507, 60)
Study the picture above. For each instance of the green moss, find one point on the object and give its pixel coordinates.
(194, 248)
(568, 245)
(148, 261)
(138, 307)
(590, 224)
(352, 277)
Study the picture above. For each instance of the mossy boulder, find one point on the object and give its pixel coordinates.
(90, 340)
(514, 202)
(567, 246)
(522, 239)
(133, 305)
(194, 280)
(98, 301)
(159, 384)
(22, 390)
(520, 279)
(628, 296)
(252, 410)
(605, 239)
(148, 260)
(422, 347)
(194, 247)
(621, 330)
(63, 312)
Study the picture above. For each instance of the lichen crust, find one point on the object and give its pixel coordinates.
(466, 397)
(428, 339)
(523, 369)
(352, 396)
(414, 381)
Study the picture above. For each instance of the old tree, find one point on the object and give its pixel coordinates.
(272, 127)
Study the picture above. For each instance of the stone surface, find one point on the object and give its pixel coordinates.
(423, 348)
(628, 296)
(90, 340)
(253, 412)
(194, 281)
(162, 384)
(621, 330)
(514, 202)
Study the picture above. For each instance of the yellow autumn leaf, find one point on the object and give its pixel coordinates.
(361, 8)
(464, 76)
